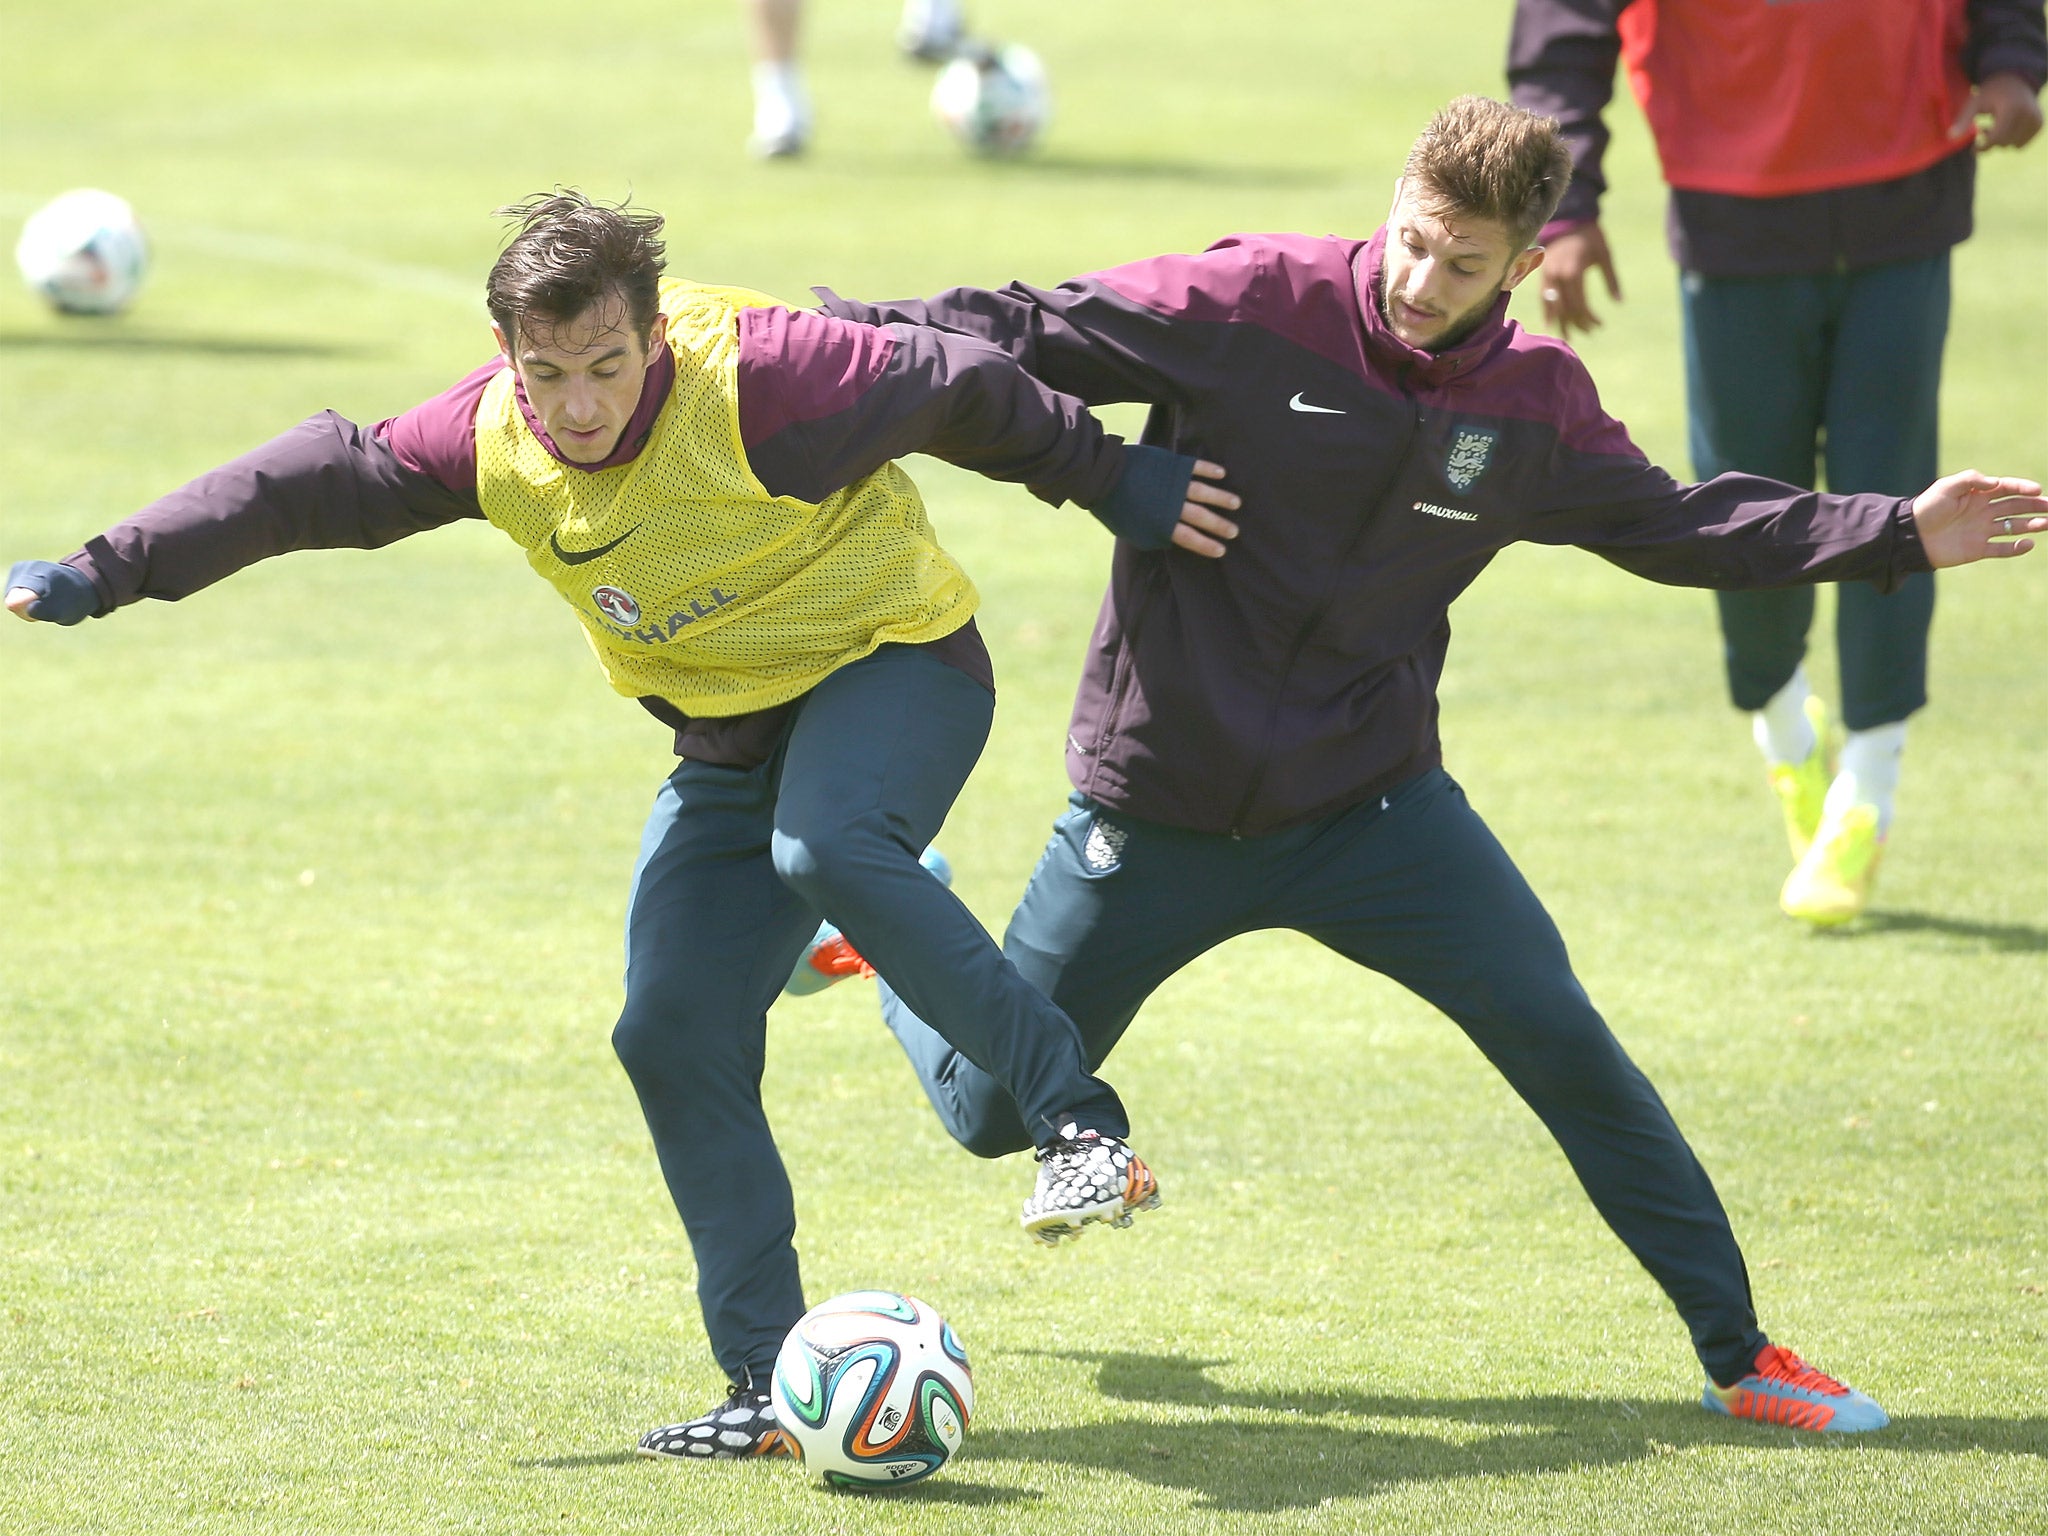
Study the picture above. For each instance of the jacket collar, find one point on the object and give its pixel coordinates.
(1413, 366)
(654, 392)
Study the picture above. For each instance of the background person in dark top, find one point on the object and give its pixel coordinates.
(1254, 744)
(1821, 158)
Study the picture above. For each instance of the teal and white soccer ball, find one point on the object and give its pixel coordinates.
(994, 100)
(873, 1390)
(84, 254)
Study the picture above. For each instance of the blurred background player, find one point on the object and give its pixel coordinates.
(1821, 158)
(931, 31)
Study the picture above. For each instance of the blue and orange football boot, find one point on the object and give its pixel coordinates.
(1783, 1389)
(829, 957)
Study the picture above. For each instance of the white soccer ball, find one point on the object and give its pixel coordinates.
(85, 253)
(873, 1390)
(995, 101)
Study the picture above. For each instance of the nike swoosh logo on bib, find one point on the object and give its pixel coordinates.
(1299, 404)
(585, 556)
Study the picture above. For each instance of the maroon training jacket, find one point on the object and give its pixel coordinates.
(1297, 675)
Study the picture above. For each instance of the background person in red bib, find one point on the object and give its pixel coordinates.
(1821, 157)
(705, 476)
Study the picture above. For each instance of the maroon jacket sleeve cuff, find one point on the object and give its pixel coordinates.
(1909, 555)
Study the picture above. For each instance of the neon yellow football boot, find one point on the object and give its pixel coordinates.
(1831, 883)
(1802, 788)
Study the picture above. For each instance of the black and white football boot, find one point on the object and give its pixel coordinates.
(742, 1426)
(1086, 1176)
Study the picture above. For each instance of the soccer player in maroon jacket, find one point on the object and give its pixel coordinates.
(1821, 158)
(1254, 744)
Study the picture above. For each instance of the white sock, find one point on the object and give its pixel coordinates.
(1782, 731)
(780, 105)
(1869, 774)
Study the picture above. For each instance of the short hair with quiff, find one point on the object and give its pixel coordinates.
(568, 252)
(1485, 159)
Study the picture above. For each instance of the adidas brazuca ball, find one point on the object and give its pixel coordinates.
(873, 1390)
(995, 100)
(84, 253)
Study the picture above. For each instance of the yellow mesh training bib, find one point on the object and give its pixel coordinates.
(692, 582)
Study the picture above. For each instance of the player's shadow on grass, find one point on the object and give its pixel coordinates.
(946, 1490)
(2007, 938)
(1241, 1459)
(70, 340)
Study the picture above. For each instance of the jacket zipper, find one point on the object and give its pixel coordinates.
(1120, 670)
(1314, 620)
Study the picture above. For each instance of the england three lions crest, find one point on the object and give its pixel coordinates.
(1470, 451)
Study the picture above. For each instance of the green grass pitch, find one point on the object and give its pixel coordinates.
(323, 1204)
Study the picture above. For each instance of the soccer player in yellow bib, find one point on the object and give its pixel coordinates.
(705, 476)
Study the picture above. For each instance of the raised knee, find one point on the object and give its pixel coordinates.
(795, 858)
(822, 861)
(660, 1032)
(637, 1043)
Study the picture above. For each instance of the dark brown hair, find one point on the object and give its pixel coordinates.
(569, 253)
(1488, 160)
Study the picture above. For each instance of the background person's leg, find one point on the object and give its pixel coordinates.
(1755, 375)
(1883, 406)
(1883, 434)
(1422, 893)
(782, 107)
(873, 764)
(711, 932)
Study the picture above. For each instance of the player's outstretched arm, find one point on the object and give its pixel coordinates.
(825, 401)
(1969, 516)
(325, 484)
(1109, 336)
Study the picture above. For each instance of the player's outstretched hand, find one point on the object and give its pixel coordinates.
(42, 592)
(1566, 261)
(1203, 528)
(2003, 109)
(1969, 517)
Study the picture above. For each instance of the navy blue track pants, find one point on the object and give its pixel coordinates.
(1418, 889)
(1845, 366)
(735, 868)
